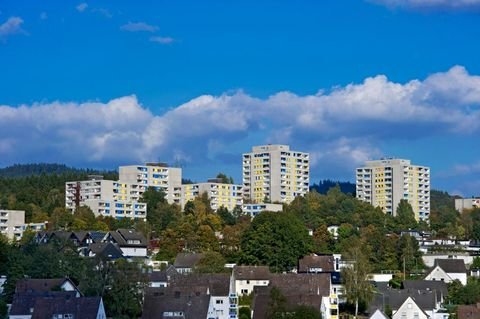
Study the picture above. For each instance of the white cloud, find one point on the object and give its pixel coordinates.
(139, 26)
(104, 12)
(12, 26)
(82, 7)
(431, 4)
(341, 128)
(162, 40)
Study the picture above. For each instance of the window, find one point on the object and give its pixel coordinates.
(219, 302)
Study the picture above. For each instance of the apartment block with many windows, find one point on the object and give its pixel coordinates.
(385, 182)
(156, 175)
(274, 173)
(12, 224)
(220, 194)
(117, 199)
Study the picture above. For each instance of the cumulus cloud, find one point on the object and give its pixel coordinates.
(162, 40)
(431, 4)
(82, 7)
(341, 128)
(12, 26)
(138, 27)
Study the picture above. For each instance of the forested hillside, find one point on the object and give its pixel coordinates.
(324, 185)
(24, 170)
(39, 188)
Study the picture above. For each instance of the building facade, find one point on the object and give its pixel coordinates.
(466, 203)
(220, 194)
(253, 210)
(155, 175)
(12, 224)
(385, 182)
(117, 199)
(274, 173)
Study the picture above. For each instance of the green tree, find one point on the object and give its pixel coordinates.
(61, 219)
(356, 276)
(225, 179)
(124, 298)
(409, 255)
(276, 240)
(405, 218)
(211, 262)
(323, 240)
(226, 217)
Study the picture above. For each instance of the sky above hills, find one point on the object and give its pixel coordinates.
(104, 83)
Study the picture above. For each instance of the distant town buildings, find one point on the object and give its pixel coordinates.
(274, 173)
(220, 194)
(466, 203)
(118, 199)
(385, 182)
(12, 224)
(155, 175)
(271, 174)
(253, 210)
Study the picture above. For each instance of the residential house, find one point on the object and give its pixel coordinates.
(157, 279)
(130, 242)
(378, 314)
(220, 288)
(316, 264)
(211, 295)
(45, 285)
(409, 309)
(248, 277)
(299, 289)
(69, 308)
(439, 287)
(330, 264)
(53, 298)
(185, 262)
(448, 270)
(161, 304)
(106, 251)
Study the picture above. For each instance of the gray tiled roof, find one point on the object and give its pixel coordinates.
(323, 262)
(80, 308)
(451, 265)
(157, 302)
(251, 273)
(187, 260)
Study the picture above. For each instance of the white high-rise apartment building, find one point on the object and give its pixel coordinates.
(466, 203)
(156, 175)
(220, 194)
(12, 224)
(274, 173)
(385, 182)
(117, 199)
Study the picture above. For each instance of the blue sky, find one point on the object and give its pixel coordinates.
(103, 83)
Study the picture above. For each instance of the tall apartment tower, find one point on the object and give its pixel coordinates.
(220, 194)
(274, 173)
(106, 198)
(156, 175)
(385, 182)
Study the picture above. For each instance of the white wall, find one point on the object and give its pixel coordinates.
(134, 252)
(241, 285)
(408, 310)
